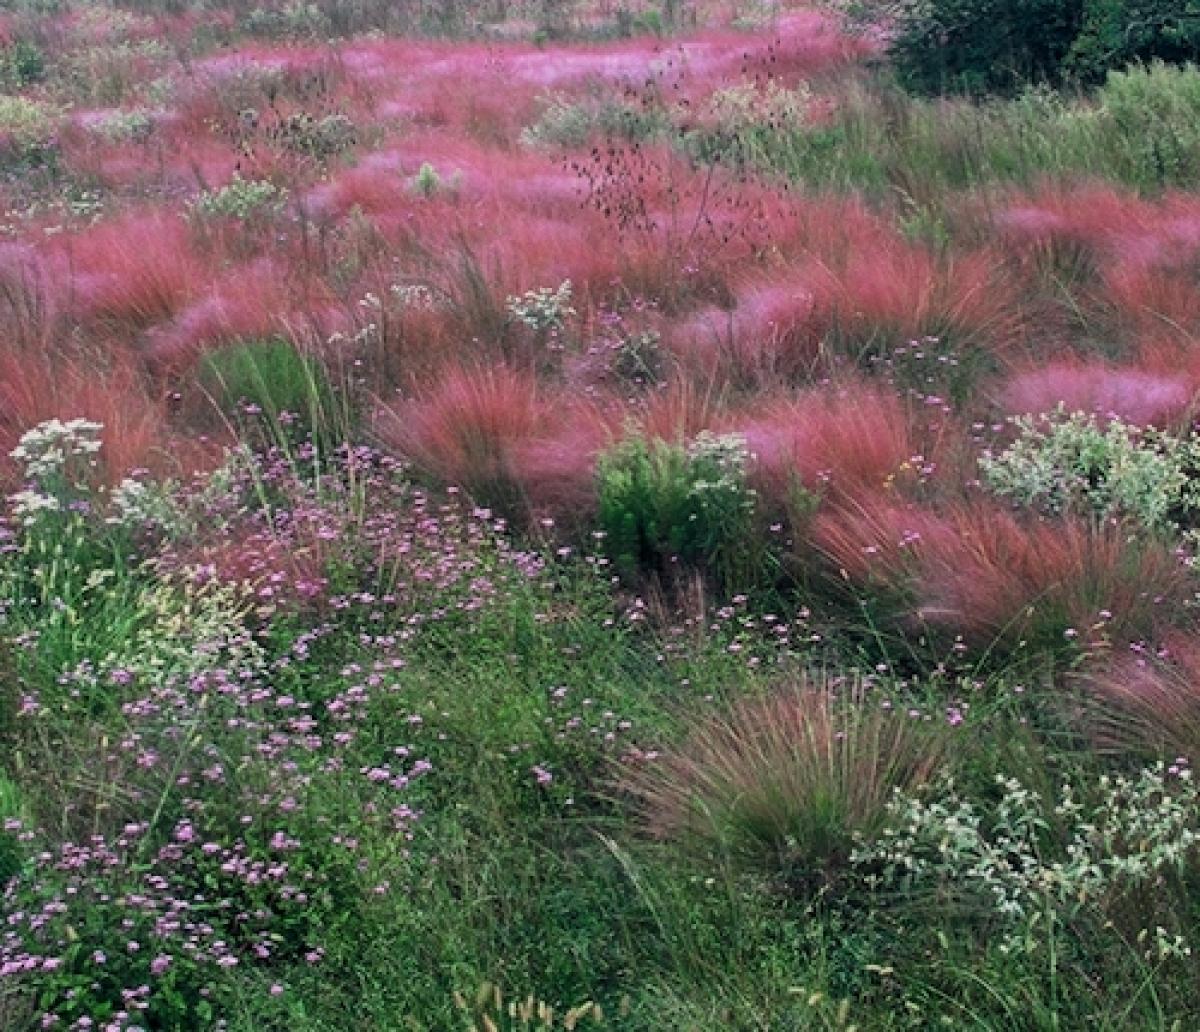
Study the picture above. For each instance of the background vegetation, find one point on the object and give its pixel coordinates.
(636, 516)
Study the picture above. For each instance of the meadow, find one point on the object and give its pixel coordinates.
(567, 515)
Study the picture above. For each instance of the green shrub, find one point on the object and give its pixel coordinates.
(240, 199)
(106, 73)
(320, 138)
(662, 502)
(21, 64)
(27, 125)
(1151, 118)
(567, 121)
(997, 46)
(291, 21)
(135, 125)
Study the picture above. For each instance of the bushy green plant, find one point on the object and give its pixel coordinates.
(1031, 860)
(136, 124)
(663, 502)
(430, 183)
(28, 125)
(320, 138)
(984, 46)
(107, 72)
(567, 121)
(1076, 463)
(21, 64)
(289, 21)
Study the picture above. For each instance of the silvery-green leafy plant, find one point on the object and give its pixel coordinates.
(1028, 859)
(1073, 462)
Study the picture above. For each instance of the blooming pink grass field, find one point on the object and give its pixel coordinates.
(815, 324)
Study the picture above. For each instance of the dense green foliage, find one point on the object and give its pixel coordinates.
(998, 46)
(982, 46)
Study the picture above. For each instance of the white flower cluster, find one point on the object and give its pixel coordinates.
(28, 505)
(142, 505)
(56, 457)
(46, 450)
(544, 310)
(415, 295)
(719, 463)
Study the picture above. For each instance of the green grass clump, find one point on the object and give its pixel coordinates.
(788, 780)
(274, 379)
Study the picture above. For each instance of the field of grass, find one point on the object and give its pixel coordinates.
(527, 515)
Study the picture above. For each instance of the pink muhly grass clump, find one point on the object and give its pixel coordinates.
(136, 434)
(529, 251)
(28, 383)
(131, 272)
(253, 301)
(1053, 582)
(1155, 302)
(809, 43)
(465, 429)
(556, 470)
(901, 292)
(831, 229)
(375, 186)
(483, 103)
(681, 411)
(1133, 395)
(30, 299)
(773, 335)
(878, 543)
(1147, 700)
(1096, 216)
(980, 573)
(836, 441)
